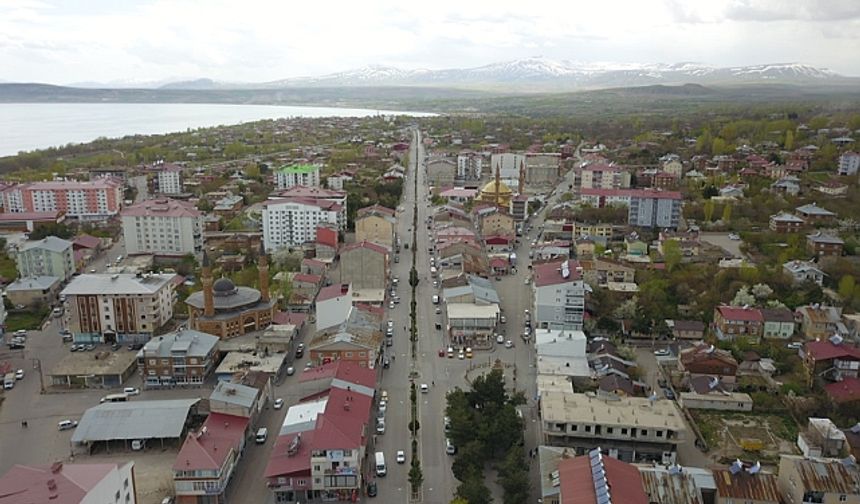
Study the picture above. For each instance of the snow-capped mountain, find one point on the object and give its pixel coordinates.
(543, 72)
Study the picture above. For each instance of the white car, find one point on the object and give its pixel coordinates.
(500, 339)
(401, 457)
(67, 424)
(509, 344)
(734, 237)
(380, 427)
(461, 355)
(424, 388)
(279, 403)
(131, 391)
(383, 405)
(19, 374)
(794, 346)
(662, 352)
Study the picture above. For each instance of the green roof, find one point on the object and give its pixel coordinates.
(298, 168)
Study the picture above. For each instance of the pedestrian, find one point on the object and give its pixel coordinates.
(433, 382)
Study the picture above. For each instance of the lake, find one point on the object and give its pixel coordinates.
(29, 126)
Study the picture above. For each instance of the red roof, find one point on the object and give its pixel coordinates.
(551, 273)
(282, 318)
(327, 236)
(281, 463)
(208, 448)
(30, 216)
(342, 424)
(346, 371)
(365, 245)
(844, 391)
(311, 192)
(332, 291)
(307, 278)
(825, 350)
(86, 241)
(740, 313)
(498, 262)
(375, 209)
(577, 484)
(313, 262)
(28, 484)
(162, 207)
(632, 193)
(498, 240)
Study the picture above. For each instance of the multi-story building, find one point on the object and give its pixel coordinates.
(365, 265)
(508, 164)
(706, 360)
(731, 322)
(646, 207)
(208, 458)
(813, 214)
(70, 483)
(542, 168)
(603, 176)
(122, 308)
(302, 174)
(823, 245)
(181, 358)
(94, 200)
(162, 227)
(469, 166)
(357, 339)
(376, 223)
(170, 179)
(292, 222)
(441, 172)
(778, 323)
(333, 304)
(849, 163)
(803, 271)
(632, 429)
(559, 295)
(785, 222)
(832, 359)
(818, 480)
(50, 256)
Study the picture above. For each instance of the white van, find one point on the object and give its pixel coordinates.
(262, 435)
(380, 464)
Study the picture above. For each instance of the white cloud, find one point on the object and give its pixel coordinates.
(259, 40)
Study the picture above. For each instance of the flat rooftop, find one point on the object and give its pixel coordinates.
(626, 411)
(240, 361)
(99, 363)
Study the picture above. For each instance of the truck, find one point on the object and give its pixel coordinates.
(9, 381)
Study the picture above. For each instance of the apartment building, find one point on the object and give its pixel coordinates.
(93, 200)
(170, 179)
(508, 164)
(122, 308)
(69, 483)
(184, 357)
(290, 222)
(364, 265)
(162, 227)
(50, 256)
(469, 166)
(559, 295)
(631, 429)
(849, 163)
(441, 172)
(301, 174)
(604, 176)
(646, 207)
(823, 245)
(376, 223)
(208, 457)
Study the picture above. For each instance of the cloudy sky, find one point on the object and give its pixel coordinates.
(73, 41)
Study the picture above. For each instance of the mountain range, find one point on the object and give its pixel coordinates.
(542, 74)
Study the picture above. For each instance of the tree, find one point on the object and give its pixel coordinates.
(416, 476)
(743, 297)
(727, 213)
(789, 140)
(627, 309)
(761, 291)
(513, 477)
(58, 229)
(847, 286)
(672, 254)
(708, 209)
(473, 489)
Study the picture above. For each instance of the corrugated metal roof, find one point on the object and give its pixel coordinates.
(134, 420)
(825, 475)
(760, 487)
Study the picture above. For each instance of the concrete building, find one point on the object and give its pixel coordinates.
(469, 323)
(731, 322)
(93, 370)
(441, 172)
(377, 224)
(508, 163)
(822, 245)
(589, 479)
(364, 265)
(162, 227)
(542, 168)
(95, 200)
(50, 256)
(849, 164)
(803, 271)
(228, 311)
(603, 176)
(333, 305)
(469, 166)
(804, 480)
(559, 295)
(205, 464)
(785, 222)
(170, 179)
(290, 222)
(185, 357)
(37, 291)
(358, 339)
(778, 323)
(632, 429)
(122, 308)
(69, 484)
(728, 401)
(237, 399)
(646, 207)
(747, 484)
(302, 174)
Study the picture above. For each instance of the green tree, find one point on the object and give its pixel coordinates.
(672, 254)
(708, 209)
(473, 489)
(720, 147)
(513, 477)
(847, 286)
(416, 476)
(789, 140)
(727, 213)
(60, 230)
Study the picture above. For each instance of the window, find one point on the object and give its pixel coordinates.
(116, 497)
(643, 432)
(843, 498)
(587, 428)
(659, 433)
(609, 430)
(125, 483)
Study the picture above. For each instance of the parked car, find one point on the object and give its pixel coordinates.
(424, 388)
(371, 489)
(500, 338)
(67, 424)
(669, 394)
(380, 426)
(300, 350)
(509, 344)
(19, 374)
(291, 371)
(131, 391)
(662, 352)
(794, 345)
(401, 457)
(278, 404)
(502, 319)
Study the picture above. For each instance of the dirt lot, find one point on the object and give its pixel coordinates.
(724, 432)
